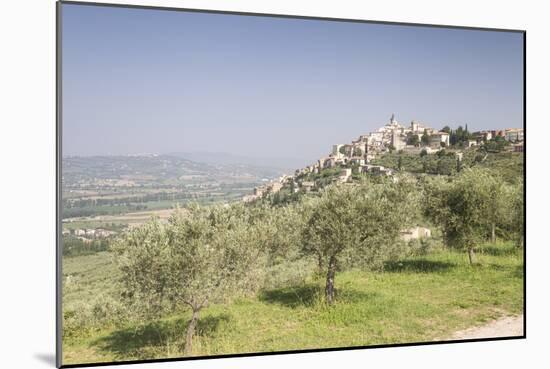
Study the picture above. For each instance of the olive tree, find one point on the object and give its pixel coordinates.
(357, 223)
(143, 256)
(279, 230)
(203, 255)
(501, 205)
(515, 212)
(463, 207)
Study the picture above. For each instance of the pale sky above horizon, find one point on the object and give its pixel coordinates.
(155, 81)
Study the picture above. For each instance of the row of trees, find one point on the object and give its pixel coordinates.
(459, 136)
(470, 208)
(413, 139)
(126, 200)
(73, 246)
(209, 254)
(495, 145)
(101, 210)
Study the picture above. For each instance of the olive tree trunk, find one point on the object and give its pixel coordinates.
(471, 256)
(493, 237)
(329, 289)
(188, 349)
(320, 263)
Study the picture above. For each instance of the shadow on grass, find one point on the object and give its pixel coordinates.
(497, 267)
(310, 295)
(518, 272)
(293, 297)
(418, 266)
(140, 341)
(495, 250)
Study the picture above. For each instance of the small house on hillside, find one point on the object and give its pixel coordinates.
(415, 233)
(308, 186)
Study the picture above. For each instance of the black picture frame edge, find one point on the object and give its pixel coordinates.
(291, 16)
(291, 352)
(59, 156)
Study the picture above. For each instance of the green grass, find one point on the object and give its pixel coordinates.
(417, 299)
(201, 198)
(85, 277)
(94, 224)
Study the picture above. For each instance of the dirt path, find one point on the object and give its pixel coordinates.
(503, 327)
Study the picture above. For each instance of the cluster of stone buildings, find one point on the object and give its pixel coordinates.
(392, 136)
(366, 147)
(395, 136)
(513, 135)
(269, 188)
(87, 235)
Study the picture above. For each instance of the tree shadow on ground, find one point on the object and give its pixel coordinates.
(518, 272)
(499, 267)
(139, 341)
(208, 326)
(310, 295)
(417, 266)
(499, 250)
(293, 297)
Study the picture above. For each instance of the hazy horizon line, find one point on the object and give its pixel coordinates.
(249, 156)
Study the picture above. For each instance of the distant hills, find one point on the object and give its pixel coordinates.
(286, 164)
(172, 168)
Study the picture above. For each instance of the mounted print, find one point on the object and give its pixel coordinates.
(240, 184)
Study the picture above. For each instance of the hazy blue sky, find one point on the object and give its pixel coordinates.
(160, 81)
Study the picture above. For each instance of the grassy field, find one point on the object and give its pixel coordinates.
(111, 210)
(418, 299)
(132, 219)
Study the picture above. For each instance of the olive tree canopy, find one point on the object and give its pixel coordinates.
(467, 207)
(201, 255)
(357, 225)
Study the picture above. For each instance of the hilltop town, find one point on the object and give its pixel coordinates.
(416, 138)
